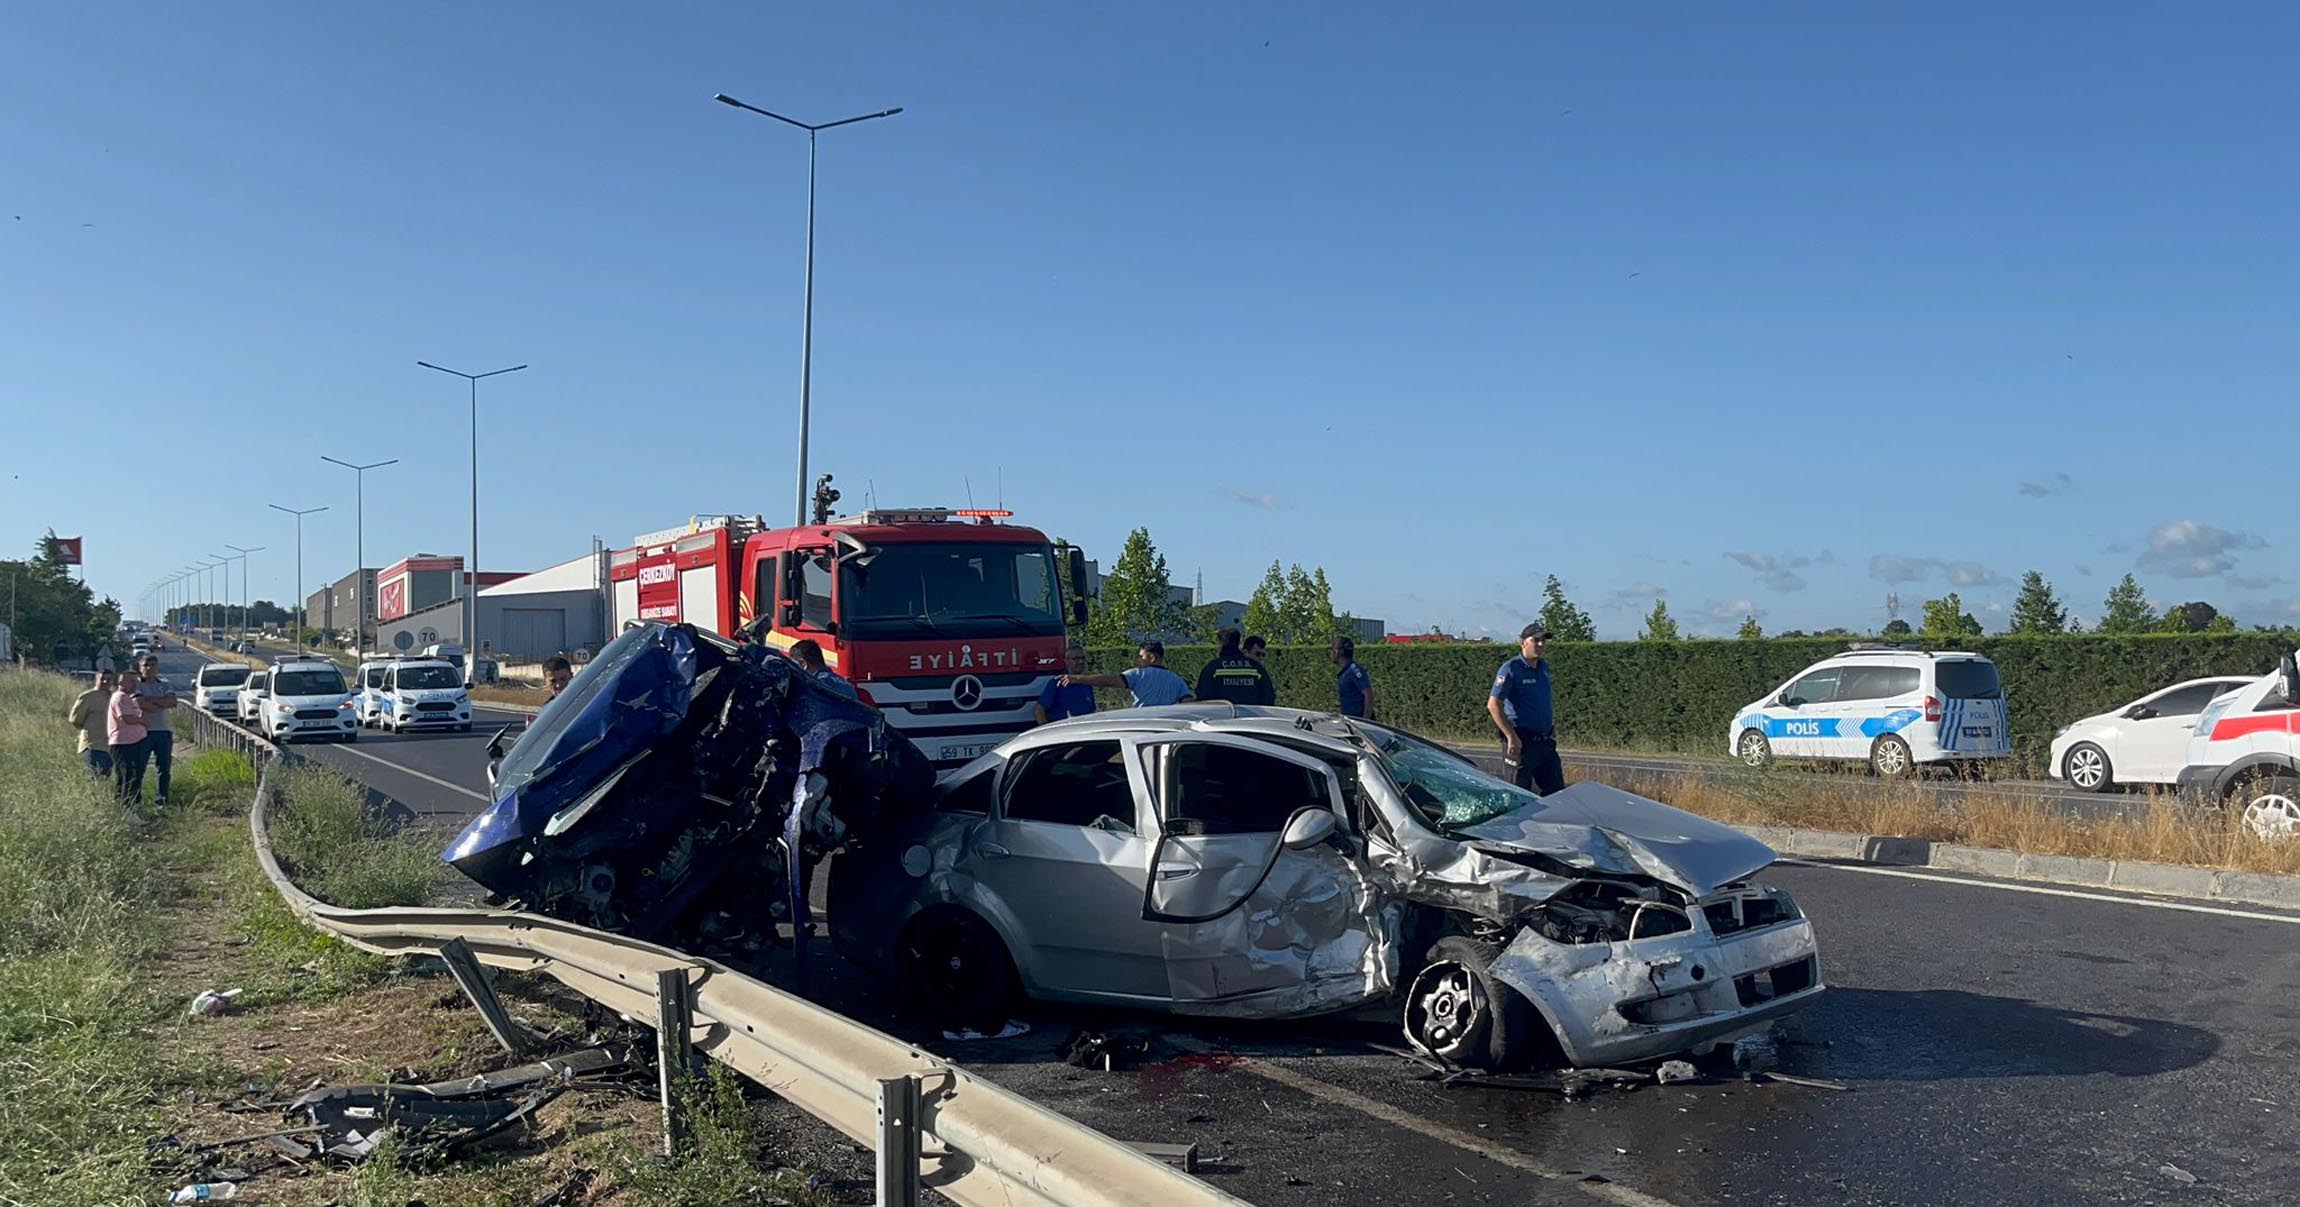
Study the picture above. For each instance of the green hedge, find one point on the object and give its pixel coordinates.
(1681, 695)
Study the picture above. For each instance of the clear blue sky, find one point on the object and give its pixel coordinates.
(1770, 307)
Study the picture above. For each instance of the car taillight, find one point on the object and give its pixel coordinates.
(1932, 708)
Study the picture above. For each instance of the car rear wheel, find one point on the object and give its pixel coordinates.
(958, 971)
(1890, 758)
(2269, 806)
(1754, 749)
(2087, 766)
(1457, 1012)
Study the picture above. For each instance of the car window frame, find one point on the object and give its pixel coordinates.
(1019, 762)
(1789, 692)
(1148, 759)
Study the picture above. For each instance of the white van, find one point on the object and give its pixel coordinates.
(424, 693)
(2246, 753)
(216, 687)
(1894, 709)
(307, 700)
(367, 681)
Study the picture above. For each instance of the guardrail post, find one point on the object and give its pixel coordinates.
(464, 966)
(674, 1055)
(898, 1141)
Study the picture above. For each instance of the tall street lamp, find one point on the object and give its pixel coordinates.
(299, 515)
(243, 554)
(471, 589)
(807, 319)
(359, 526)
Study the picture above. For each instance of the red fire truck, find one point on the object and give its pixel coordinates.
(948, 620)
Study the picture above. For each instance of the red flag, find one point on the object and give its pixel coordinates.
(68, 550)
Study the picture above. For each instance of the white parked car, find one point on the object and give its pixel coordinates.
(216, 687)
(2245, 753)
(368, 682)
(247, 706)
(1892, 708)
(308, 700)
(423, 694)
(2144, 742)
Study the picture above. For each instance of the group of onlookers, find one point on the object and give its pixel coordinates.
(1237, 673)
(123, 729)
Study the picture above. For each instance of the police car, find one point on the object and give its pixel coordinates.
(1893, 708)
(307, 699)
(423, 693)
(2245, 753)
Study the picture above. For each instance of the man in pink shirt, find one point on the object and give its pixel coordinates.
(131, 741)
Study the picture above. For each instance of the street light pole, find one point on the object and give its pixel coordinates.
(471, 589)
(244, 583)
(807, 313)
(299, 515)
(359, 523)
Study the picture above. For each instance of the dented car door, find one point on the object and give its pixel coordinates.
(1253, 882)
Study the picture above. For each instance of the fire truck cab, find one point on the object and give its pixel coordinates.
(949, 621)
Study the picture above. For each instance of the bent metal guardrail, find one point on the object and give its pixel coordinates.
(977, 1143)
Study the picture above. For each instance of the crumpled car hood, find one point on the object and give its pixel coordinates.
(1598, 827)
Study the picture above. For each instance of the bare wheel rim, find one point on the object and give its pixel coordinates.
(2086, 767)
(1449, 1009)
(2273, 817)
(1891, 759)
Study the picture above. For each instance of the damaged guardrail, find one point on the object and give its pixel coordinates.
(933, 1125)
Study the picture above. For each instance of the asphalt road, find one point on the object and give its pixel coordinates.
(2001, 1044)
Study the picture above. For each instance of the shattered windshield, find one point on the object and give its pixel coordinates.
(1449, 790)
(565, 728)
(428, 677)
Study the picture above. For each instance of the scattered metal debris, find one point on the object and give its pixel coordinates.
(1012, 1028)
(1673, 1071)
(1181, 1156)
(2177, 1174)
(346, 1122)
(1108, 1051)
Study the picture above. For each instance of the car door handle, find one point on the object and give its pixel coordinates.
(1176, 873)
(991, 850)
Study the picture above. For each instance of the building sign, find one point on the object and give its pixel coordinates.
(391, 598)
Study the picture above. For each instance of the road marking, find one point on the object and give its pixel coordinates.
(447, 784)
(1500, 1154)
(2150, 902)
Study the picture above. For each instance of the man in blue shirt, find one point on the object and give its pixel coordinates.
(809, 656)
(1519, 706)
(1353, 684)
(1149, 680)
(1056, 701)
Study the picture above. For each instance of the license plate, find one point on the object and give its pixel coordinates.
(954, 752)
(1978, 731)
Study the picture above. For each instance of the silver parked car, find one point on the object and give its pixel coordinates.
(1273, 863)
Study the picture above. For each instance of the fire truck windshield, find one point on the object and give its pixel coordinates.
(912, 590)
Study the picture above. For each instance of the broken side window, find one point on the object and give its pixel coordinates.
(973, 796)
(1229, 790)
(1075, 783)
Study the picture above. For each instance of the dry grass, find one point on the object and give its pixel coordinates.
(507, 693)
(2156, 829)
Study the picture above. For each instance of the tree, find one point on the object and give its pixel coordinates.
(1946, 617)
(2195, 616)
(1309, 612)
(1137, 600)
(2126, 610)
(1897, 627)
(1266, 607)
(1564, 621)
(1749, 630)
(1659, 625)
(2038, 609)
(57, 618)
(1202, 622)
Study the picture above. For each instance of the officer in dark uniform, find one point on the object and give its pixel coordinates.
(1234, 677)
(1519, 706)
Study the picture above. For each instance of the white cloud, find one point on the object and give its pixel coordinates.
(1264, 500)
(1735, 610)
(2055, 484)
(1896, 568)
(2187, 549)
(1780, 573)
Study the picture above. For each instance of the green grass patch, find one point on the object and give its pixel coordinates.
(725, 1162)
(336, 849)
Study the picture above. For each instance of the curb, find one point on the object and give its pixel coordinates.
(2249, 888)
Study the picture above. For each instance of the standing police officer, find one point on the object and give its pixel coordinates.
(1519, 706)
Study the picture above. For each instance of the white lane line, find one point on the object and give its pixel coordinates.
(447, 784)
(2150, 902)
(1500, 1154)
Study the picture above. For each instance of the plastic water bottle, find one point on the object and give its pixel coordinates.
(202, 1192)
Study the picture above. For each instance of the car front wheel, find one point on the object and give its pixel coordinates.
(1754, 749)
(2087, 766)
(1457, 1012)
(2269, 806)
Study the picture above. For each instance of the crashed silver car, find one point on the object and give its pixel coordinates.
(1274, 863)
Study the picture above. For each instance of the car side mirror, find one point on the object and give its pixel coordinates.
(1309, 827)
(2288, 679)
(2140, 712)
